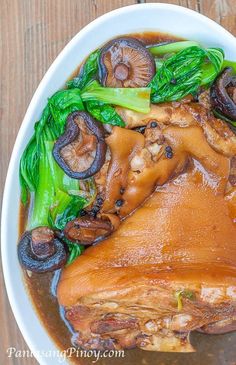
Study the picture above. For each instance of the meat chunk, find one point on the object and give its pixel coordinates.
(168, 269)
(217, 132)
(170, 266)
(149, 159)
(142, 163)
(163, 114)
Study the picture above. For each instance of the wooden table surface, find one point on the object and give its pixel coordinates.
(32, 34)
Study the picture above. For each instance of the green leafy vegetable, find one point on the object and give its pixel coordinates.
(104, 113)
(101, 111)
(29, 163)
(62, 103)
(87, 73)
(67, 208)
(183, 73)
(65, 102)
(44, 192)
(180, 75)
(212, 68)
(100, 100)
(56, 197)
(172, 47)
(132, 98)
(159, 62)
(52, 204)
(75, 250)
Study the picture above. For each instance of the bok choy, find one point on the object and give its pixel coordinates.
(101, 111)
(55, 198)
(137, 99)
(184, 72)
(99, 101)
(172, 47)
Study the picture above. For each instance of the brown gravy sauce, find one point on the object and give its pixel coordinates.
(42, 287)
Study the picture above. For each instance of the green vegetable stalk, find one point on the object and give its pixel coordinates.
(52, 203)
(64, 102)
(44, 193)
(228, 63)
(99, 110)
(173, 47)
(55, 198)
(137, 99)
(212, 65)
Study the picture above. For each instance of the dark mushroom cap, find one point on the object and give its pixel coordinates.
(39, 251)
(126, 62)
(87, 229)
(222, 94)
(81, 150)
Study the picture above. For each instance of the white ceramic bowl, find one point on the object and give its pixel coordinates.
(141, 17)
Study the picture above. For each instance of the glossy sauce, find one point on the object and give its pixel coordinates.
(41, 289)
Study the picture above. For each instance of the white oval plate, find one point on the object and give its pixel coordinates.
(136, 18)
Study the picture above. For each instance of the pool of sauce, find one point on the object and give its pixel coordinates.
(211, 349)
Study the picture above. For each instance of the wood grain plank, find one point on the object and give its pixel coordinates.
(222, 11)
(32, 33)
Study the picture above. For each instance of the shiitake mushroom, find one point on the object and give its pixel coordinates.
(40, 251)
(87, 229)
(126, 62)
(81, 150)
(222, 94)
